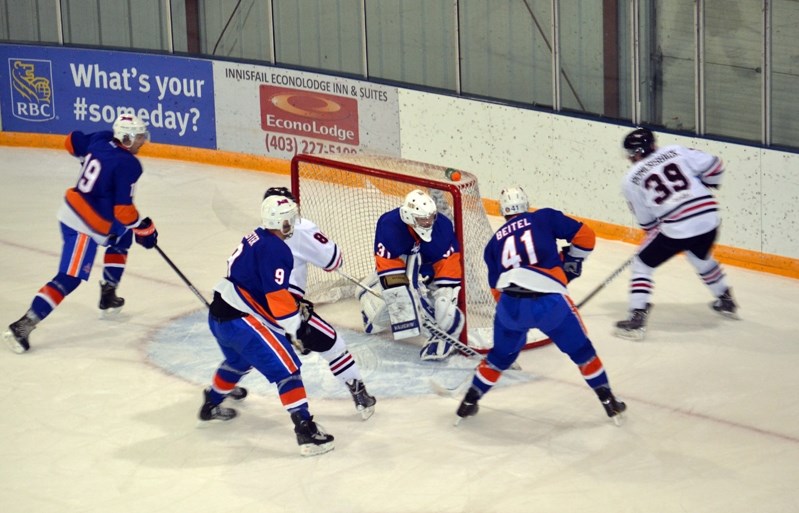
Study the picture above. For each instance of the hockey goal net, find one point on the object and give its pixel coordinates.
(345, 196)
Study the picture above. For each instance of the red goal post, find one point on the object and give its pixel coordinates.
(346, 194)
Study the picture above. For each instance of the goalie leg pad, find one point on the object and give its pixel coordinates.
(373, 309)
(402, 311)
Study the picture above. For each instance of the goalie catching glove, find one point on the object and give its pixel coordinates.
(448, 318)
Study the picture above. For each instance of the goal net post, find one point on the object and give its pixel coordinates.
(346, 194)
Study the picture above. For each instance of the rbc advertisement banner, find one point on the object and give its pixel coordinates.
(57, 90)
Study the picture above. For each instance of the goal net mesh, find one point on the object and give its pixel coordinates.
(345, 196)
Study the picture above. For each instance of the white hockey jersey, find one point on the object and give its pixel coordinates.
(310, 246)
(669, 190)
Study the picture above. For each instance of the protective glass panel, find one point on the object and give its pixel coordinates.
(32, 20)
(733, 68)
(320, 35)
(785, 73)
(138, 24)
(412, 41)
(668, 61)
(589, 56)
(506, 50)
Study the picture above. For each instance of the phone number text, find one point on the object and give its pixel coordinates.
(295, 145)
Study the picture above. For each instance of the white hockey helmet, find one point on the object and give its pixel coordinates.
(419, 211)
(279, 213)
(512, 201)
(129, 129)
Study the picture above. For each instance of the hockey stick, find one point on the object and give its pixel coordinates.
(607, 280)
(430, 325)
(182, 277)
(427, 322)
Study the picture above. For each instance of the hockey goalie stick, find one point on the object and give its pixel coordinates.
(427, 322)
(607, 280)
(182, 276)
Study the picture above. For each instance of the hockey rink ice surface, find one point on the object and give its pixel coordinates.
(101, 415)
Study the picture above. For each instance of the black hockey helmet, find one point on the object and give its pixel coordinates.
(640, 141)
(280, 191)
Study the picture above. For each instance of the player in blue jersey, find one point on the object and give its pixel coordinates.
(97, 211)
(528, 276)
(255, 320)
(309, 246)
(410, 241)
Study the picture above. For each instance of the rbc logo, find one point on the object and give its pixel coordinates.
(31, 89)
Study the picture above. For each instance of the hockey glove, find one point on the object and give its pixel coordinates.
(303, 332)
(297, 343)
(146, 234)
(306, 309)
(572, 266)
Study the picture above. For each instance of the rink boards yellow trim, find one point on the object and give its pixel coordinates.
(748, 259)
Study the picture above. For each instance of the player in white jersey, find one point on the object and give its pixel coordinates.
(310, 246)
(669, 191)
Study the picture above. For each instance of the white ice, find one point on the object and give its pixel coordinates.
(101, 415)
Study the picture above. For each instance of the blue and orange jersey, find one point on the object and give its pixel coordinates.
(524, 251)
(102, 199)
(394, 240)
(258, 278)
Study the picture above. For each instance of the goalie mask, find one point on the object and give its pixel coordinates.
(419, 212)
(130, 131)
(512, 201)
(279, 213)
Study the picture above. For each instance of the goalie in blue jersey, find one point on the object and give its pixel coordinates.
(414, 244)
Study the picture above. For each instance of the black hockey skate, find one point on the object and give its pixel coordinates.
(17, 334)
(725, 305)
(238, 393)
(311, 439)
(469, 406)
(210, 411)
(109, 302)
(613, 407)
(364, 403)
(634, 328)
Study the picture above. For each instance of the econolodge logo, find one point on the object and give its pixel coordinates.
(309, 114)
